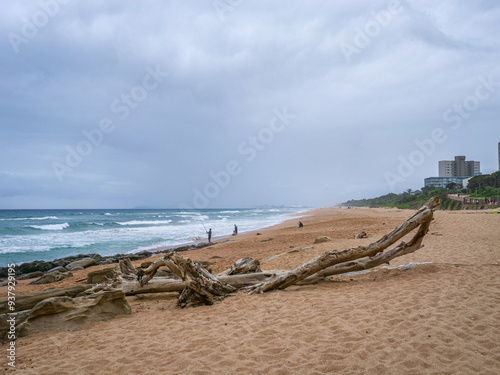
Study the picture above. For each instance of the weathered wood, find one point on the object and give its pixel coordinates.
(207, 288)
(127, 269)
(334, 257)
(242, 266)
(164, 285)
(27, 301)
(383, 257)
(150, 272)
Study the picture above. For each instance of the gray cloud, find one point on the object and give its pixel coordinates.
(226, 78)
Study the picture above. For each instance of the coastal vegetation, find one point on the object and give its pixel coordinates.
(479, 187)
(486, 185)
(407, 199)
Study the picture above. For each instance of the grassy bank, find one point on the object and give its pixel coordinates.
(407, 200)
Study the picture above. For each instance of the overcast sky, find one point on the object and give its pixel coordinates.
(236, 103)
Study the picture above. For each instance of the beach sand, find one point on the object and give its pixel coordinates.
(437, 318)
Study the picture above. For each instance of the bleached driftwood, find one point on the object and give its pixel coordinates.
(127, 269)
(333, 257)
(383, 257)
(242, 266)
(199, 286)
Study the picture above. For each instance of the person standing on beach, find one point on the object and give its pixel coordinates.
(209, 235)
(235, 232)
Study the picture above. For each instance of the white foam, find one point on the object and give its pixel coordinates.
(50, 226)
(145, 222)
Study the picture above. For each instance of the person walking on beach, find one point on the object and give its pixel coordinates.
(209, 235)
(235, 231)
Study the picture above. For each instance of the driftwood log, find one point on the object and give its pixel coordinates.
(198, 286)
(330, 258)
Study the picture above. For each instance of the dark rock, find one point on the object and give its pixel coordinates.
(322, 239)
(51, 278)
(31, 275)
(203, 244)
(182, 248)
(61, 262)
(85, 262)
(361, 235)
(57, 269)
(144, 253)
(133, 257)
(37, 265)
(107, 261)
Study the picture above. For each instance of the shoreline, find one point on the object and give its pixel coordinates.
(389, 321)
(41, 265)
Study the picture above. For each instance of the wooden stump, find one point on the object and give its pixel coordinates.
(204, 288)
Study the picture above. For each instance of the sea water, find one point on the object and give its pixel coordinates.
(27, 235)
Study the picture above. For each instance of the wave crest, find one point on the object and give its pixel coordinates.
(50, 226)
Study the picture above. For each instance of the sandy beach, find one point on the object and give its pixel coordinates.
(437, 318)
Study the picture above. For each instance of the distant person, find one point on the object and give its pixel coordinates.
(300, 224)
(235, 231)
(209, 235)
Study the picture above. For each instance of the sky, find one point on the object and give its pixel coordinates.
(238, 103)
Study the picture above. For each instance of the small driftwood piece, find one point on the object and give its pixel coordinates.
(242, 266)
(361, 235)
(333, 257)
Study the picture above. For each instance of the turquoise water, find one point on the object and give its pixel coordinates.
(27, 235)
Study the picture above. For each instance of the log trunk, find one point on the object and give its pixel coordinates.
(383, 257)
(333, 257)
(27, 301)
(164, 285)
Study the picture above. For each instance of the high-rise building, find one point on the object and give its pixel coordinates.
(460, 167)
(446, 168)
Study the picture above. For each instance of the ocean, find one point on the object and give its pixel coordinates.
(28, 235)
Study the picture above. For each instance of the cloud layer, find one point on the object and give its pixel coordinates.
(121, 104)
